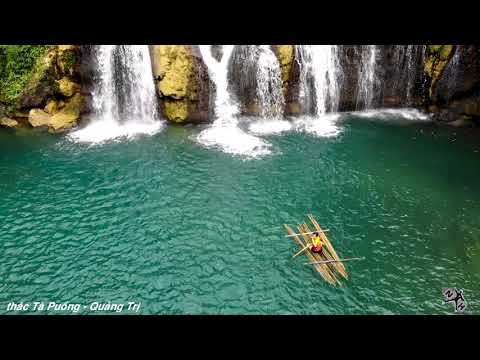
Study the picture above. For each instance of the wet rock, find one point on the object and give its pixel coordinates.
(436, 59)
(182, 82)
(52, 84)
(285, 54)
(67, 87)
(176, 110)
(39, 118)
(172, 67)
(53, 106)
(464, 121)
(7, 122)
(62, 116)
(74, 104)
(62, 121)
(294, 108)
(67, 59)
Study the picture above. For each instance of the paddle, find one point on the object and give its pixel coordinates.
(331, 261)
(301, 251)
(307, 233)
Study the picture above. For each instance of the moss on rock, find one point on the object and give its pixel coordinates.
(53, 106)
(176, 110)
(62, 121)
(67, 87)
(18, 64)
(172, 66)
(58, 116)
(437, 58)
(285, 55)
(41, 81)
(177, 76)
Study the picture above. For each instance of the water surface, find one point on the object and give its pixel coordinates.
(186, 229)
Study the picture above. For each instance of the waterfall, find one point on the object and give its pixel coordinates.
(104, 104)
(407, 59)
(367, 77)
(410, 71)
(225, 108)
(319, 76)
(225, 132)
(269, 88)
(124, 99)
(452, 71)
(257, 80)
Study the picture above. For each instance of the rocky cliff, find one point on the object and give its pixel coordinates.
(49, 87)
(454, 95)
(182, 82)
(49, 95)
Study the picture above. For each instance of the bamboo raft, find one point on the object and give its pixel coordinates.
(331, 267)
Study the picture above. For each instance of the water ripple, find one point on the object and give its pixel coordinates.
(186, 230)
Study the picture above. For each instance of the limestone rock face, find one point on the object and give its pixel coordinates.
(172, 68)
(181, 81)
(58, 116)
(63, 48)
(455, 83)
(7, 122)
(67, 87)
(38, 118)
(176, 110)
(53, 96)
(54, 76)
(437, 58)
(53, 106)
(62, 121)
(58, 122)
(285, 54)
(42, 83)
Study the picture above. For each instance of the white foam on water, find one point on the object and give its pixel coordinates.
(124, 99)
(270, 126)
(225, 107)
(224, 133)
(322, 126)
(233, 140)
(102, 131)
(392, 114)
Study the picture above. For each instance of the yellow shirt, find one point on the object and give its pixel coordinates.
(316, 241)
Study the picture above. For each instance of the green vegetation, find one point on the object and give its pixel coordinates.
(441, 51)
(437, 58)
(69, 60)
(17, 64)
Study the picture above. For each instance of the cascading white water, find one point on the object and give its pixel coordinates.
(407, 59)
(104, 101)
(410, 72)
(452, 73)
(319, 64)
(319, 88)
(224, 132)
(367, 77)
(225, 107)
(124, 100)
(269, 84)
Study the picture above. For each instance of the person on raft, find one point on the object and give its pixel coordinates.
(317, 246)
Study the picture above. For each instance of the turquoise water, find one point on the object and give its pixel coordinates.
(183, 229)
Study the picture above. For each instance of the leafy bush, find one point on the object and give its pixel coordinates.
(17, 63)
